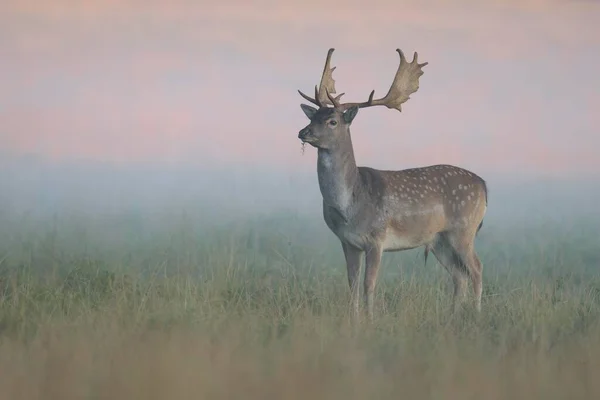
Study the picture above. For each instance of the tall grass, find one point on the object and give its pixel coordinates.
(258, 309)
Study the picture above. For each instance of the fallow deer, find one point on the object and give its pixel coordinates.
(371, 211)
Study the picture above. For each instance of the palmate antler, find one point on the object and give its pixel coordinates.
(326, 87)
(405, 83)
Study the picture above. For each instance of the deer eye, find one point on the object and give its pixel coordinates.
(333, 122)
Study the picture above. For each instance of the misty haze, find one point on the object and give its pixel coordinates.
(162, 231)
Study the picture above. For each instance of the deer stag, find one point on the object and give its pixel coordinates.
(440, 207)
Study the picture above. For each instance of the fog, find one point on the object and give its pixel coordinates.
(54, 212)
(40, 188)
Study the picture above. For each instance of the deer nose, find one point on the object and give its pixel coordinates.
(303, 133)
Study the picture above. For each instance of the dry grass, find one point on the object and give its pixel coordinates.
(178, 339)
(234, 330)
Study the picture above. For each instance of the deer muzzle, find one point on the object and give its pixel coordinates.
(304, 133)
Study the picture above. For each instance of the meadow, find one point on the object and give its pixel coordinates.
(175, 306)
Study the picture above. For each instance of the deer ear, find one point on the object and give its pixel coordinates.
(308, 111)
(350, 113)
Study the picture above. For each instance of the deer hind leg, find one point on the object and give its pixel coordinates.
(450, 259)
(466, 258)
(465, 249)
(475, 269)
(353, 262)
(373, 261)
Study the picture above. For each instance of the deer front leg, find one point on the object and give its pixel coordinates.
(353, 260)
(373, 260)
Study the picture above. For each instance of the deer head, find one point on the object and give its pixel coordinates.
(329, 125)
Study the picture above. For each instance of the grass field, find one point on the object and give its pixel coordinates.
(115, 308)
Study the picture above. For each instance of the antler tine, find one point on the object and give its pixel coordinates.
(334, 100)
(315, 100)
(405, 83)
(326, 86)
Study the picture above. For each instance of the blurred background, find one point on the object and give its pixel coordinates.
(115, 111)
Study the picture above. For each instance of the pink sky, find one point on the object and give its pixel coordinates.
(509, 85)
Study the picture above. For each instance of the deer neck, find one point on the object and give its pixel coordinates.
(338, 175)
